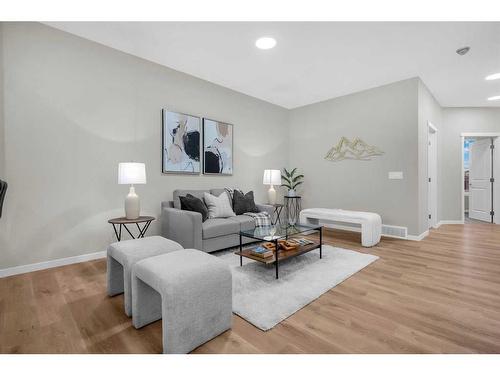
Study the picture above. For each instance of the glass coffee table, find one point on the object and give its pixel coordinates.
(276, 233)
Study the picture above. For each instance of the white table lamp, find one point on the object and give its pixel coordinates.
(132, 173)
(272, 177)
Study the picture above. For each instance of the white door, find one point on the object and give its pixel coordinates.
(432, 178)
(479, 180)
(496, 176)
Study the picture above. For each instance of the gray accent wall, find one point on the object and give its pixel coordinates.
(74, 109)
(458, 121)
(386, 117)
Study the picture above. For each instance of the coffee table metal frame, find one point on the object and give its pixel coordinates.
(289, 231)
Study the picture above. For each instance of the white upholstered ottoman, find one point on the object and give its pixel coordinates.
(123, 255)
(371, 223)
(190, 290)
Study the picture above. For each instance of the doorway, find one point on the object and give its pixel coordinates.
(479, 172)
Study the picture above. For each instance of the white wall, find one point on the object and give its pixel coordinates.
(386, 117)
(74, 109)
(429, 110)
(455, 122)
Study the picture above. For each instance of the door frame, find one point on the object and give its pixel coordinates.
(432, 210)
(496, 198)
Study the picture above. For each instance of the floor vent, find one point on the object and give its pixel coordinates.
(394, 231)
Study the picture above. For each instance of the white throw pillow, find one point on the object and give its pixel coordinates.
(218, 206)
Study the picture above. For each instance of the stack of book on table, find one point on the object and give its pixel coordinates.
(262, 252)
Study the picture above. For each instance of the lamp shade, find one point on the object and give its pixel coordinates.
(131, 173)
(272, 177)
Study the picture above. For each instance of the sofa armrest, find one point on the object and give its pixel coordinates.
(266, 208)
(183, 227)
(167, 204)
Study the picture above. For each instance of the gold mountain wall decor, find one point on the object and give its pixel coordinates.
(357, 149)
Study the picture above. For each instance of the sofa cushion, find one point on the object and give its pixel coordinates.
(217, 192)
(219, 227)
(179, 192)
(245, 222)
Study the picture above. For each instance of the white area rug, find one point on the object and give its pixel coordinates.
(264, 301)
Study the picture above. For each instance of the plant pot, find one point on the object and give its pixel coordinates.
(291, 193)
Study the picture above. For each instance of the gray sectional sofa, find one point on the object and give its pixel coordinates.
(187, 228)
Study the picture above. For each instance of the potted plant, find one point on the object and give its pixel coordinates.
(291, 180)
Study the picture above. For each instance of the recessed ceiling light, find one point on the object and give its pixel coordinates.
(265, 42)
(462, 51)
(491, 77)
(494, 98)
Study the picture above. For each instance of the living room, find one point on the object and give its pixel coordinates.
(310, 173)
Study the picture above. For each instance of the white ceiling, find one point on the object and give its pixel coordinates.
(316, 61)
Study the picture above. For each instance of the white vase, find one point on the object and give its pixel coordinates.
(132, 205)
(291, 193)
(271, 195)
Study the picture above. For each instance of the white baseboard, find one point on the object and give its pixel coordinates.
(420, 237)
(50, 264)
(445, 222)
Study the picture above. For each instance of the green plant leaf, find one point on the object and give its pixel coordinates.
(291, 181)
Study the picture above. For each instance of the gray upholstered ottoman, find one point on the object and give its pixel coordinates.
(191, 290)
(123, 255)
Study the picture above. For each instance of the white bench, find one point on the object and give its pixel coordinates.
(371, 223)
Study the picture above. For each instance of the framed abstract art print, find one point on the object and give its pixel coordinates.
(181, 143)
(217, 147)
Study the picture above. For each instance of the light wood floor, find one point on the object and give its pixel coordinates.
(440, 295)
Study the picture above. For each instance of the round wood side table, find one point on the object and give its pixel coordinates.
(123, 221)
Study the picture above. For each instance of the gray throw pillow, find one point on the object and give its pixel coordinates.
(243, 202)
(191, 203)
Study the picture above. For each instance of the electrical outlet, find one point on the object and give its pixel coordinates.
(395, 175)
